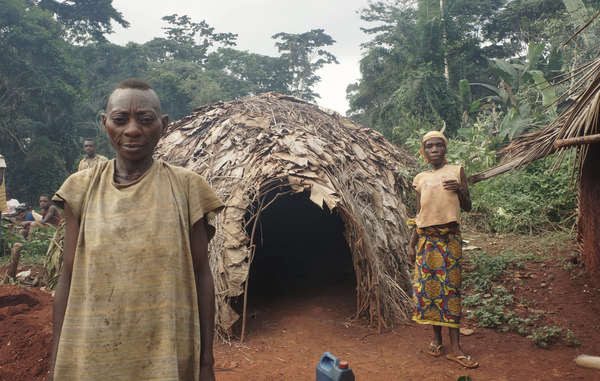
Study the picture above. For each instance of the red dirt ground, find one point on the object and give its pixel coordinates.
(25, 333)
(287, 337)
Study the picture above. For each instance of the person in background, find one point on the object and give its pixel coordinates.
(29, 214)
(50, 213)
(436, 247)
(11, 205)
(135, 299)
(91, 157)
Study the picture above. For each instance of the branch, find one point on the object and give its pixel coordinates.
(577, 141)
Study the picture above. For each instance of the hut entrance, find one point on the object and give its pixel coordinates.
(301, 253)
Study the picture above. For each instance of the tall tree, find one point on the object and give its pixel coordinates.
(187, 40)
(84, 20)
(38, 99)
(304, 55)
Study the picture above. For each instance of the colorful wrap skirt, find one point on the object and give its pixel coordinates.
(437, 276)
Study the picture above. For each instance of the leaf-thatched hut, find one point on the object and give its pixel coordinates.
(271, 151)
(578, 126)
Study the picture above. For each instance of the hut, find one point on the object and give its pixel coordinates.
(578, 126)
(273, 159)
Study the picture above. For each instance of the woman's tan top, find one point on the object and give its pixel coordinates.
(438, 206)
(132, 311)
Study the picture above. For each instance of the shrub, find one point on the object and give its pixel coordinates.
(527, 200)
(543, 337)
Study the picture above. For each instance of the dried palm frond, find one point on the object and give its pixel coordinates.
(53, 262)
(256, 147)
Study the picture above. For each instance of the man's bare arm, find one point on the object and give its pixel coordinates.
(205, 290)
(64, 281)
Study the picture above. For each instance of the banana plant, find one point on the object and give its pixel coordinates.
(517, 81)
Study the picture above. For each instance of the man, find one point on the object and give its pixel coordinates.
(50, 213)
(135, 299)
(91, 157)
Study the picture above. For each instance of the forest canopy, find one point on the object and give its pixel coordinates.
(58, 65)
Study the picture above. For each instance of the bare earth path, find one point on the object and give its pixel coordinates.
(287, 337)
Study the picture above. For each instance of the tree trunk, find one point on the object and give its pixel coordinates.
(444, 39)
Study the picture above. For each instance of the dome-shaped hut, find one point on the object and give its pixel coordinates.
(271, 152)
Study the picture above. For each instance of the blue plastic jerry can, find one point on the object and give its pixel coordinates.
(330, 368)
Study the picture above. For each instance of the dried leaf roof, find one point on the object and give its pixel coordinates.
(581, 118)
(250, 148)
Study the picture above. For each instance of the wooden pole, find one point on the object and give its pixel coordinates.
(252, 251)
(14, 262)
(577, 141)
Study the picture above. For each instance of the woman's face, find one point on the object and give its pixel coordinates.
(435, 151)
(134, 123)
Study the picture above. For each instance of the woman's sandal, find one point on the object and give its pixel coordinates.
(434, 349)
(465, 361)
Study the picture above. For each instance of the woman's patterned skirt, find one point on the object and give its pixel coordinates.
(437, 277)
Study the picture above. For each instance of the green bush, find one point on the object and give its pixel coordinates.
(528, 200)
(543, 337)
(34, 249)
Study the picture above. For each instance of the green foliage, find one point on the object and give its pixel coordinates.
(414, 63)
(487, 270)
(570, 339)
(414, 44)
(304, 55)
(187, 40)
(545, 336)
(523, 94)
(34, 248)
(57, 69)
(38, 99)
(489, 303)
(84, 20)
(528, 200)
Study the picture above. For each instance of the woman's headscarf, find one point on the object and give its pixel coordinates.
(431, 135)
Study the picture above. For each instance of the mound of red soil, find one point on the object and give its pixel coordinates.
(25, 333)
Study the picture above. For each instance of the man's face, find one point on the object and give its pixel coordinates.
(134, 123)
(44, 202)
(435, 150)
(89, 148)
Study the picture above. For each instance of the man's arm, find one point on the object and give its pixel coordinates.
(52, 212)
(463, 193)
(64, 281)
(205, 289)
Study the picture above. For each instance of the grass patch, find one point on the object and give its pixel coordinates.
(491, 304)
(34, 249)
(545, 336)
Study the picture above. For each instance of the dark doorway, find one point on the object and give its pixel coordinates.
(301, 252)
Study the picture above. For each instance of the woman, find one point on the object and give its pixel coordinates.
(135, 298)
(442, 192)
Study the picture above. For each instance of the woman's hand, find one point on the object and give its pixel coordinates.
(452, 186)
